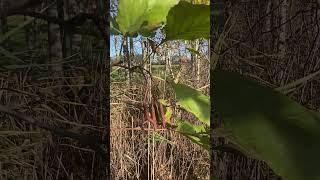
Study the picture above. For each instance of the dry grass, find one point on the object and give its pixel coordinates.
(29, 152)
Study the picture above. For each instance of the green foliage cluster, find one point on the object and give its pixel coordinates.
(178, 19)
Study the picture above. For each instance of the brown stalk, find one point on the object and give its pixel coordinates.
(153, 118)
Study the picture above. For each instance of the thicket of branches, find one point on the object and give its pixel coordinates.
(275, 43)
(54, 105)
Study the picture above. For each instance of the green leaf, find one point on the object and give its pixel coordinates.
(194, 51)
(187, 21)
(269, 125)
(114, 27)
(193, 101)
(196, 133)
(159, 137)
(142, 15)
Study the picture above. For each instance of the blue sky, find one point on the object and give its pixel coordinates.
(137, 45)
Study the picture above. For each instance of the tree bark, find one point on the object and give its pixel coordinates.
(282, 34)
(55, 44)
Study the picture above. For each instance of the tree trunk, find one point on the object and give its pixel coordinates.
(55, 45)
(283, 28)
(67, 38)
(131, 60)
(126, 57)
(282, 45)
(198, 63)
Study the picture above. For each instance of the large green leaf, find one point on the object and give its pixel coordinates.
(142, 15)
(196, 133)
(193, 101)
(188, 21)
(270, 125)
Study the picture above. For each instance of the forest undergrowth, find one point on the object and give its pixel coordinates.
(136, 147)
